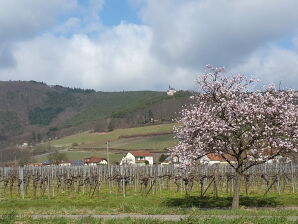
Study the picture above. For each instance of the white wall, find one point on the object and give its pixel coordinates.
(206, 160)
(149, 159)
(128, 159)
(103, 162)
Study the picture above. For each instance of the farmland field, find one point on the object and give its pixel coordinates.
(160, 203)
(78, 155)
(154, 138)
(156, 143)
(123, 190)
(98, 140)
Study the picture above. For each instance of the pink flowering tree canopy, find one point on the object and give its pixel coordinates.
(245, 128)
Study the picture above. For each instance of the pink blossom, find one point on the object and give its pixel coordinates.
(226, 119)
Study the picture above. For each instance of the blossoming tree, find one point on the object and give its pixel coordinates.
(245, 128)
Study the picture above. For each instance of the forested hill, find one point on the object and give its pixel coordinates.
(33, 111)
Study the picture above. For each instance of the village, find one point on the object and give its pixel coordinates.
(144, 158)
(134, 158)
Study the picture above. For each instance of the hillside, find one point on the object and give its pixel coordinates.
(154, 138)
(33, 112)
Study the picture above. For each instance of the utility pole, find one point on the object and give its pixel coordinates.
(108, 159)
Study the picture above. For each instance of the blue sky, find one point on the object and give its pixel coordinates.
(286, 42)
(115, 11)
(147, 44)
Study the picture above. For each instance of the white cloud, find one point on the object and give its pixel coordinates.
(192, 33)
(276, 65)
(86, 20)
(24, 19)
(119, 59)
(177, 39)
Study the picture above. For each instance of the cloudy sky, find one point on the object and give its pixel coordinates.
(147, 44)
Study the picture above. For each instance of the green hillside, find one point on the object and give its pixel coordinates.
(113, 104)
(155, 137)
(79, 155)
(154, 143)
(34, 112)
(49, 110)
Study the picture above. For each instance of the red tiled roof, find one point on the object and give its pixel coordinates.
(270, 151)
(93, 159)
(141, 153)
(216, 157)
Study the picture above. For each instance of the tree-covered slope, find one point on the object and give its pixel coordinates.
(30, 109)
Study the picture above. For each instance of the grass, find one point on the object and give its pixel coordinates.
(9, 219)
(99, 139)
(189, 220)
(154, 138)
(157, 143)
(219, 202)
(78, 155)
(159, 203)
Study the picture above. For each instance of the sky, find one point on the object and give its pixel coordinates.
(115, 45)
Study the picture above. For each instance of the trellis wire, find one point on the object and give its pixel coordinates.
(50, 181)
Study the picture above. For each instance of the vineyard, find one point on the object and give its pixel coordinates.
(41, 182)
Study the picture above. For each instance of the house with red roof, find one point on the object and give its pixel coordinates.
(213, 158)
(94, 161)
(137, 158)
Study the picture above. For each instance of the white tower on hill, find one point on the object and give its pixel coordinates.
(171, 91)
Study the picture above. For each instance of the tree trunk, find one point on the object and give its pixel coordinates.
(236, 193)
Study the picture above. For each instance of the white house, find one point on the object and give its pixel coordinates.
(279, 159)
(65, 163)
(25, 145)
(137, 158)
(93, 161)
(170, 160)
(213, 158)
